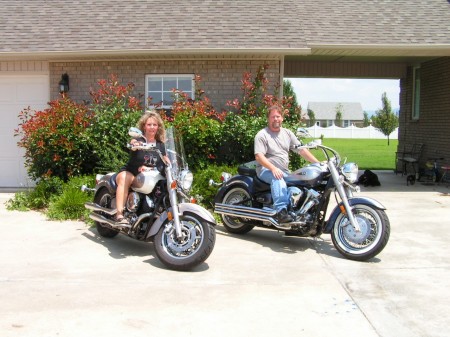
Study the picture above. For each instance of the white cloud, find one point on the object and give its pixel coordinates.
(365, 91)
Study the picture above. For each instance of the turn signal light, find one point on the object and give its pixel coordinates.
(173, 185)
(342, 208)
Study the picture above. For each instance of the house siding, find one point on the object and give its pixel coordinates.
(433, 124)
(220, 79)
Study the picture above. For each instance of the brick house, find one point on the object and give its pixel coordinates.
(150, 43)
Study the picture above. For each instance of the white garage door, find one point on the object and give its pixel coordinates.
(17, 92)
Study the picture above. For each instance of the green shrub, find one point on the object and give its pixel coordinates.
(69, 205)
(201, 190)
(54, 139)
(237, 137)
(38, 197)
(240, 127)
(114, 110)
(20, 202)
(199, 125)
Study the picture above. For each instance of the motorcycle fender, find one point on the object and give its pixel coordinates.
(245, 182)
(353, 201)
(184, 208)
(105, 184)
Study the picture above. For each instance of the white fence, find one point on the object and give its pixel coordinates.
(349, 132)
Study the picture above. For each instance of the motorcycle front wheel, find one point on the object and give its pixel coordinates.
(237, 196)
(192, 249)
(370, 241)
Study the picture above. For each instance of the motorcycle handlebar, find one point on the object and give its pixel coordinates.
(325, 149)
(142, 146)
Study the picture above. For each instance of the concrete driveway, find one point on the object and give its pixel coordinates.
(62, 279)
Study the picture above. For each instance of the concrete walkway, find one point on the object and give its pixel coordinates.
(62, 279)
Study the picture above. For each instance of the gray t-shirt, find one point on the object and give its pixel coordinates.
(275, 146)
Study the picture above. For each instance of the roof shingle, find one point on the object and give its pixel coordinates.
(41, 26)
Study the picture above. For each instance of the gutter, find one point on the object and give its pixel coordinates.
(154, 53)
(385, 49)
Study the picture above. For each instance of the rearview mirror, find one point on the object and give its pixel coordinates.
(135, 132)
(302, 133)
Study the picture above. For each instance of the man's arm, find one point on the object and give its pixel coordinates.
(262, 159)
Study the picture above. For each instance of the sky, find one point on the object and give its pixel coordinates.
(367, 92)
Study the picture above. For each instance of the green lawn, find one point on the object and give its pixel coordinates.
(371, 154)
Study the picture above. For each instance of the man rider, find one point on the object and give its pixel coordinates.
(272, 146)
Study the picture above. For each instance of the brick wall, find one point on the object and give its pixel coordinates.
(221, 79)
(432, 127)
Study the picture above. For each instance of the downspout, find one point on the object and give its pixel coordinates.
(280, 93)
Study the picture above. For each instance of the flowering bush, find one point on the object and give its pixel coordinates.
(199, 124)
(241, 126)
(54, 139)
(69, 139)
(114, 110)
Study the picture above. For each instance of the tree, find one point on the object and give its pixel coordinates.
(294, 109)
(385, 119)
(312, 117)
(339, 110)
(366, 121)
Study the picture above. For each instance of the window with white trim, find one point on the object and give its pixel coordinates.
(416, 93)
(160, 88)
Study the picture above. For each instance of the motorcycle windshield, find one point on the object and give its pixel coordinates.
(175, 150)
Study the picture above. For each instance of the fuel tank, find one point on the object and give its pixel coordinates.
(145, 181)
(310, 175)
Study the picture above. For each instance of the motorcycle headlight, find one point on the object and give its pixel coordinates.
(186, 179)
(350, 171)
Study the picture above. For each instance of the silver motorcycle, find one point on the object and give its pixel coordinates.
(158, 209)
(359, 226)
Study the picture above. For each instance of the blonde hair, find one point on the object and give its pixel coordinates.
(161, 133)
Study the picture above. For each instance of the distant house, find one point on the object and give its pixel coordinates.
(325, 113)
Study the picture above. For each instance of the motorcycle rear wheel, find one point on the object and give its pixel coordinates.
(104, 198)
(364, 245)
(192, 249)
(233, 224)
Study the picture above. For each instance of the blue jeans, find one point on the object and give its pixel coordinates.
(278, 188)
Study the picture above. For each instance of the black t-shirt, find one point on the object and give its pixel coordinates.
(147, 158)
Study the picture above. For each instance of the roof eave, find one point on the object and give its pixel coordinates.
(382, 49)
(276, 53)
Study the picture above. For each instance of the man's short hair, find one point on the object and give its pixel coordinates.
(275, 107)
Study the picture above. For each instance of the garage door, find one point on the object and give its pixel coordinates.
(16, 93)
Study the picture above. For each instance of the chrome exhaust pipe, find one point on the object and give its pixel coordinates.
(250, 213)
(267, 215)
(111, 223)
(95, 207)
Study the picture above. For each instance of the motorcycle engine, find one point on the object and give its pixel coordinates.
(133, 201)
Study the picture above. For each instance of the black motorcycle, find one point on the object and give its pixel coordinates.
(158, 209)
(359, 226)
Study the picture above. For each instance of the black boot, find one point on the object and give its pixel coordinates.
(283, 216)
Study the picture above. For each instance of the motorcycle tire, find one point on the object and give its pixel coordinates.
(192, 249)
(104, 198)
(370, 241)
(233, 224)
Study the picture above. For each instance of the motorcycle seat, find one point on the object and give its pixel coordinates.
(259, 185)
(246, 171)
(112, 181)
